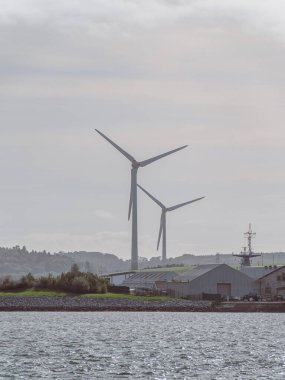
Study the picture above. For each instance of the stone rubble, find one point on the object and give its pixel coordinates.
(77, 303)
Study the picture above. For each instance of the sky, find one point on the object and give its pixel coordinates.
(153, 76)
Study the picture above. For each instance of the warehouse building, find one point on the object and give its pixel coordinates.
(117, 278)
(257, 272)
(149, 280)
(219, 279)
(272, 285)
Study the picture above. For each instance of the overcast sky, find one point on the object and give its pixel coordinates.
(152, 75)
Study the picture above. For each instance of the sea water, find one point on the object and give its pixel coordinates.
(141, 345)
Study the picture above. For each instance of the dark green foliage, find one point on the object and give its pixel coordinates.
(118, 289)
(80, 285)
(73, 281)
(47, 282)
(7, 284)
(80, 282)
(28, 281)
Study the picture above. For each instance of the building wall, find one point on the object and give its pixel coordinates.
(118, 279)
(180, 289)
(273, 284)
(207, 283)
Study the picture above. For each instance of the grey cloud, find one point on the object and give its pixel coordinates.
(141, 13)
(153, 75)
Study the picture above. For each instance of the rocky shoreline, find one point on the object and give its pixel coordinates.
(76, 303)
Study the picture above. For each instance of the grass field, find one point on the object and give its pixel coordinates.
(33, 292)
(129, 296)
(52, 293)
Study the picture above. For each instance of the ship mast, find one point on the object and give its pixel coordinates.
(249, 235)
(247, 255)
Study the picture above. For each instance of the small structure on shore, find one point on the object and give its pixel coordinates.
(272, 285)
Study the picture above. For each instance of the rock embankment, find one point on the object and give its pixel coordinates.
(76, 303)
(249, 307)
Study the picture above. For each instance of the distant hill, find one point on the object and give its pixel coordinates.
(274, 258)
(18, 261)
(97, 262)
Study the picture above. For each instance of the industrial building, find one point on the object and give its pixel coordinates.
(117, 278)
(149, 280)
(257, 272)
(212, 279)
(272, 285)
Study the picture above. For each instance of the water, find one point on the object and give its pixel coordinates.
(114, 345)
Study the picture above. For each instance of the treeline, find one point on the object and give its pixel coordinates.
(18, 261)
(73, 281)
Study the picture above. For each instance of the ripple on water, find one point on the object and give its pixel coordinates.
(142, 346)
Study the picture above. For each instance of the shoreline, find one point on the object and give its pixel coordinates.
(78, 303)
(251, 307)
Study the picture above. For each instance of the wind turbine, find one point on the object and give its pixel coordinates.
(164, 210)
(133, 194)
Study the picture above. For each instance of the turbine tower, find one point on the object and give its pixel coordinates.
(164, 210)
(133, 193)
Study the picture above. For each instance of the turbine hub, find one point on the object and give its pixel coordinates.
(135, 164)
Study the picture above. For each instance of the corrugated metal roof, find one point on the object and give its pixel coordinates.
(257, 272)
(274, 271)
(196, 272)
(143, 278)
(116, 273)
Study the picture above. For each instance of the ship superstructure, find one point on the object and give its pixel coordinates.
(247, 254)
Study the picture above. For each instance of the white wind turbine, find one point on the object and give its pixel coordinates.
(133, 194)
(164, 210)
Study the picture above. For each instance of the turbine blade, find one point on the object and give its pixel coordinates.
(183, 204)
(152, 197)
(150, 160)
(160, 231)
(127, 155)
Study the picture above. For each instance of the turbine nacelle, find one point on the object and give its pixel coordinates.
(135, 164)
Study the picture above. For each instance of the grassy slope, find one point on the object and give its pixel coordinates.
(129, 296)
(51, 293)
(32, 292)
